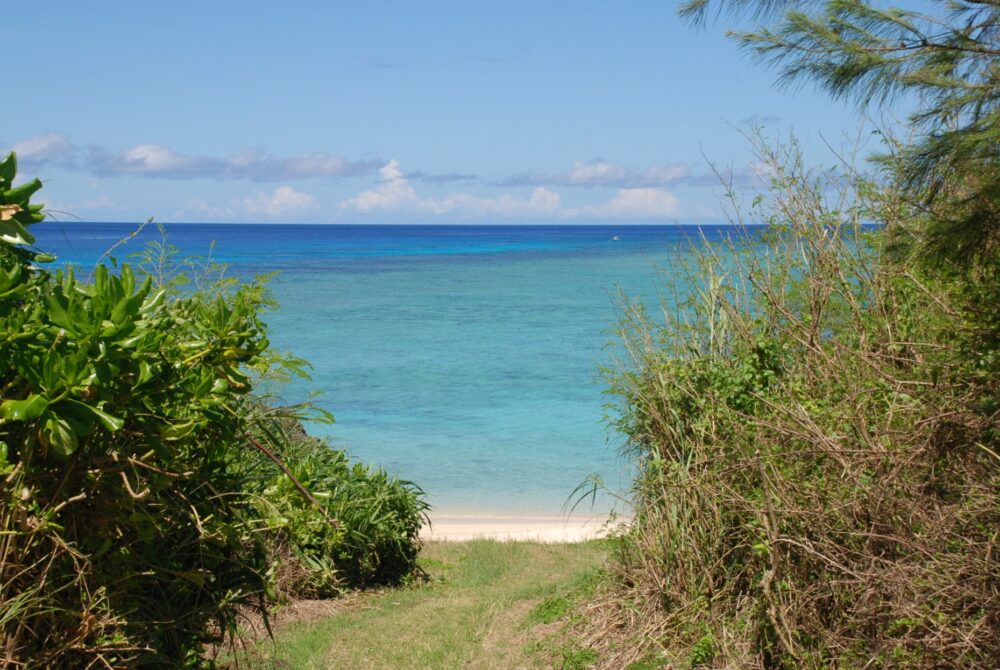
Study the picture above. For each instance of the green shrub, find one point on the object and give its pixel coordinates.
(816, 432)
(375, 518)
(143, 482)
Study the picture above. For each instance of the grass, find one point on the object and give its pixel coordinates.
(487, 605)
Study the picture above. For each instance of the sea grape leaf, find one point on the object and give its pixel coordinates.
(58, 435)
(112, 423)
(28, 409)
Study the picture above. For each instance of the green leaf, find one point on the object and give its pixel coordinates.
(8, 168)
(126, 308)
(177, 431)
(23, 193)
(28, 409)
(153, 303)
(59, 437)
(112, 423)
(145, 372)
(13, 232)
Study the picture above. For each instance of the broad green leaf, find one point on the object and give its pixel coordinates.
(127, 307)
(112, 423)
(152, 303)
(59, 437)
(177, 431)
(145, 372)
(8, 168)
(28, 409)
(13, 232)
(22, 193)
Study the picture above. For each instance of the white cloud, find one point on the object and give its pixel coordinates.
(154, 160)
(542, 202)
(150, 159)
(636, 203)
(282, 204)
(605, 173)
(43, 148)
(393, 193)
(595, 172)
(396, 194)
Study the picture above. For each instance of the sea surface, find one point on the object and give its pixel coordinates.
(464, 358)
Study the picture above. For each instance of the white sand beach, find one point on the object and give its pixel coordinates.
(459, 527)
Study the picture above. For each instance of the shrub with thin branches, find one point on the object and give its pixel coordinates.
(816, 431)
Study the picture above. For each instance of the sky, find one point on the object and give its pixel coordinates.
(390, 112)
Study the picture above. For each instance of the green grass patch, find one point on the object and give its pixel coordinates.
(476, 609)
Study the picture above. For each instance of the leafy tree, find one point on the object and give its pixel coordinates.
(946, 60)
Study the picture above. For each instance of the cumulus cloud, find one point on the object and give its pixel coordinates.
(745, 176)
(395, 194)
(636, 203)
(147, 159)
(47, 148)
(155, 160)
(604, 173)
(282, 204)
(158, 161)
(542, 202)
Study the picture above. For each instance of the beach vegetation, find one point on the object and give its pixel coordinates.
(153, 496)
(815, 429)
(814, 412)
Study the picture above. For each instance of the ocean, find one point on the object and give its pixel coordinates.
(463, 358)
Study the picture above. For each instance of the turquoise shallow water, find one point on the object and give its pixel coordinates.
(463, 358)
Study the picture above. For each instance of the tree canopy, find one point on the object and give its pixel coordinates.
(941, 55)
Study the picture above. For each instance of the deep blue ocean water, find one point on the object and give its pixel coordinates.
(464, 358)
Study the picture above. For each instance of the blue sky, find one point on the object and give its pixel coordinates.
(388, 112)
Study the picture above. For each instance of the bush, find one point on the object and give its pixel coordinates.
(361, 531)
(817, 435)
(135, 478)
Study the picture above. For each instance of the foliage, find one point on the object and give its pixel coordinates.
(817, 431)
(131, 524)
(943, 56)
(817, 435)
(360, 529)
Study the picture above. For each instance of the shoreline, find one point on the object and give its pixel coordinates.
(453, 527)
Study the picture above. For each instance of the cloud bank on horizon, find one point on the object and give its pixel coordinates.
(625, 193)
